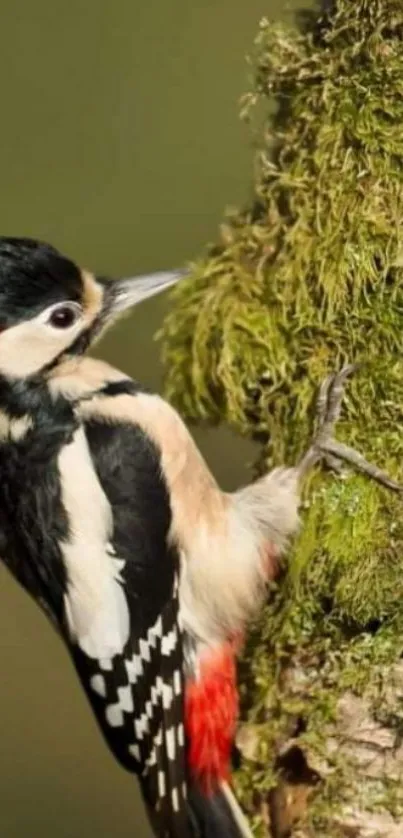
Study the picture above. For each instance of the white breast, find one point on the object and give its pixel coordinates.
(95, 602)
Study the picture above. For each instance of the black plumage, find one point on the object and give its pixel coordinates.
(33, 275)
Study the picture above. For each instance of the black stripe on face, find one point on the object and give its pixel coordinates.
(79, 346)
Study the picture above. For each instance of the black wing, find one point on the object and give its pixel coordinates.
(137, 696)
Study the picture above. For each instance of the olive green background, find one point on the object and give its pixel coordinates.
(120, 143)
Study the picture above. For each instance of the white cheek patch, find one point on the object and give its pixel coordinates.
(32, 344)
(29, 346)
(95, 603)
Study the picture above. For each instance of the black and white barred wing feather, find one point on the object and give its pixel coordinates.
(121, 608)
(137, 698)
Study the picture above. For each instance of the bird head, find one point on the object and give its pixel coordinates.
(50, 309)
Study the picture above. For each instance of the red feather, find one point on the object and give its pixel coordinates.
(211, 703)
(211, 712)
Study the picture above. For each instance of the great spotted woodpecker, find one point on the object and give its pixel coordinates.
(111, 520)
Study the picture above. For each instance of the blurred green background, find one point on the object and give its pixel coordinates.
(120, 143)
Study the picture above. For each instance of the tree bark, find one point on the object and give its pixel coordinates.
(307, 277)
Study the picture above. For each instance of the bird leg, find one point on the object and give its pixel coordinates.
(326, 447)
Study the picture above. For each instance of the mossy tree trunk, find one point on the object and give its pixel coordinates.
(307, 278)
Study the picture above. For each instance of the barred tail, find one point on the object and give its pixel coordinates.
(217, 815)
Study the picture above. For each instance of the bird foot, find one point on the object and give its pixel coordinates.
(325, 447)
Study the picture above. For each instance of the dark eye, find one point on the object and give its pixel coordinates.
(64, 316)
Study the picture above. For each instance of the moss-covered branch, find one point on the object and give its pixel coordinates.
(308, 277)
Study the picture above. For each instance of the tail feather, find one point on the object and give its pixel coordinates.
(217, 815)
(236, 810)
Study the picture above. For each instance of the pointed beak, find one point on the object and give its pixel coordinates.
(129, 292)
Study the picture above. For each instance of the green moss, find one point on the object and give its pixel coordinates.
(307, 277)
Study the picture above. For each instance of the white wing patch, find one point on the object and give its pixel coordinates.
(96, 607)
(98, 684)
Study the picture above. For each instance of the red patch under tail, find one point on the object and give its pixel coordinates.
(211, 712)
(211, 703)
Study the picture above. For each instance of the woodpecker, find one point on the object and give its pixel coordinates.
(111, 520)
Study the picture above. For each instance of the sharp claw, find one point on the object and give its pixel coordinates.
(334, 397)
(343, 452)
(328, 408)
(322, 400)
(325, 447)
(330, 396)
